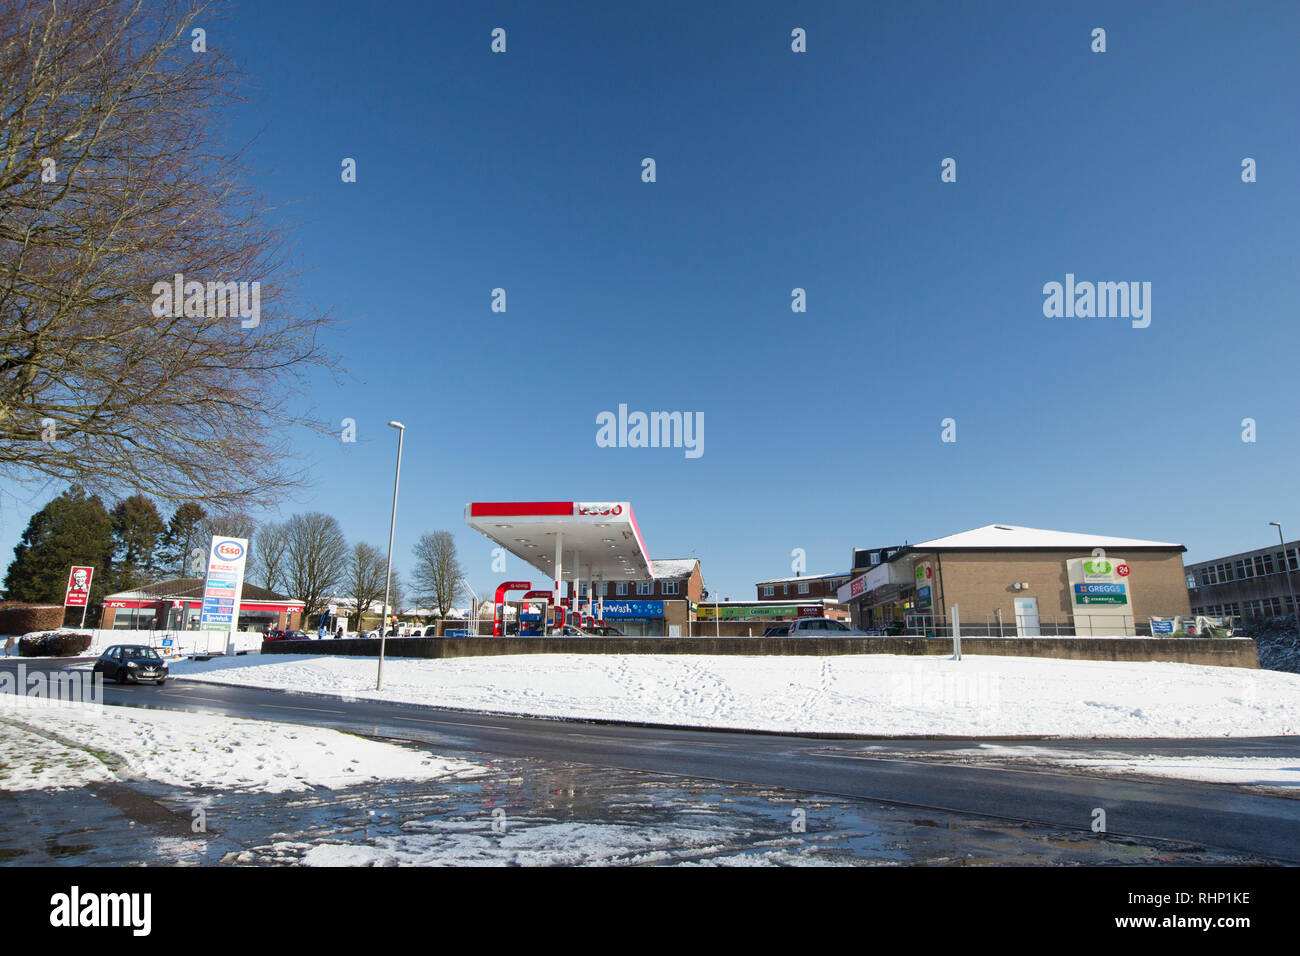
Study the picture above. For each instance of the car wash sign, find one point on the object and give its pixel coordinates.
(224, 584)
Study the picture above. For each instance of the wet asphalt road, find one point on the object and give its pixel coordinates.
(1217, 816)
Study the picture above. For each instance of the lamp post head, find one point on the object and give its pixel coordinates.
(1275, 524)
(397, 425)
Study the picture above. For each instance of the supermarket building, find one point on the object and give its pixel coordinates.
(1012, 581)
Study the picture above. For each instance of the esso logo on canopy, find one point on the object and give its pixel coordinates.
(601, 509)
(1122, 570)
(229, 550)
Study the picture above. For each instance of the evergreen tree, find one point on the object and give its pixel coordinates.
(138, 531)
(181, 537)
(73, 529)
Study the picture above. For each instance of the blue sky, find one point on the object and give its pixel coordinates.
(779, 170)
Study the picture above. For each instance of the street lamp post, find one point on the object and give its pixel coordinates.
(1286, 567)
(388, 577)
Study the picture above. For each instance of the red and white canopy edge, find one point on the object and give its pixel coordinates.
(567, 540)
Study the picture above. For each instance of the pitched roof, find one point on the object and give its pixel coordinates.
(999, 537)
(674, 567)
(175, 589)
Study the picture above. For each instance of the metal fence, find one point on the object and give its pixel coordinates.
(1047, 625)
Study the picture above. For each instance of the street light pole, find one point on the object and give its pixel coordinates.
(1286, 567)
(388, 577)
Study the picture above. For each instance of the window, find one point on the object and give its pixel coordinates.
(582, 590)
(875, 558)
(620, 588)
(669, 587)
(645, 587)
(768, 590)
(803, 587)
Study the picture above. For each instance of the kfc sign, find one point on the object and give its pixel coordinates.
(78, 593)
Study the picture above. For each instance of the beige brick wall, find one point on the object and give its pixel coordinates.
(980, 582)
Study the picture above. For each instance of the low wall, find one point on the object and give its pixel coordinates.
(1225, 652)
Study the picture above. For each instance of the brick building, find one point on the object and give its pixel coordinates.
(1026, 582)
(175, 605)
(802, 587)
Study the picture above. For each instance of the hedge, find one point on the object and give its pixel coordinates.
(58, 644)
(25, 618)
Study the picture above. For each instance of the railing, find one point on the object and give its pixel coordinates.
(1040, 625)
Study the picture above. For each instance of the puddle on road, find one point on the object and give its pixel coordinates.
(533, 812)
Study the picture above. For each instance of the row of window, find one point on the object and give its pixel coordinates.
(1244, 568)
(769, 590)
(643, 588)
(1264, 607)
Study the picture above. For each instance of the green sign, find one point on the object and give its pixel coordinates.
(1101, 599)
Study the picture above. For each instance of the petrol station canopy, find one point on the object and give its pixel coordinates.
(587, 539)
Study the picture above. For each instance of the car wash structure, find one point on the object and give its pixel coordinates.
(572, 543)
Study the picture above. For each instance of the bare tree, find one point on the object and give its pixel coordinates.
(365, 578)
(118, 188)
(316, 560)
(267, 558)
(438, 577)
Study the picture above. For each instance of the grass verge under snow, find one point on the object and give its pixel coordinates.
(873, 694)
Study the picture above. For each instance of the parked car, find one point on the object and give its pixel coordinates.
(287, 636)
(131, 663)
(780, 630)
(822, 627)
(604, 630)
(568, 630)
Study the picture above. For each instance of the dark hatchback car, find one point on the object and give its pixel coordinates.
(131, 663)
(287, 636)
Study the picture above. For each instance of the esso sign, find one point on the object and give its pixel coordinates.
(229, 550)
(601, 509)
(1122, 570)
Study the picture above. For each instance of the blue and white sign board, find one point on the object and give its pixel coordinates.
(619, 609)
(167, 642)
(1161, 625)
(224, 585)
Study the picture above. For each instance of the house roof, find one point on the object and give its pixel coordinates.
(175, 589)
(807, 577)
(1002, 537)
(669, 568)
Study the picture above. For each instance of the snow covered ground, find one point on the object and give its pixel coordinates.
(868, 695)
(70, 746)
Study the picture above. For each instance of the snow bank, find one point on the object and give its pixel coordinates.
(873, 694)
(70, 746)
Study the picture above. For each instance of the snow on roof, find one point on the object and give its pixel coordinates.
(995, 537)
(807, 577)
(674, 567)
